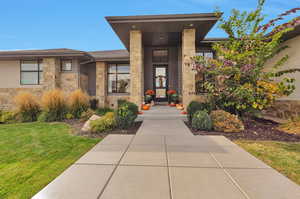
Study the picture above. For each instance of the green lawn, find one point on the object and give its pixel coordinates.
(282, 156)
(33, 154)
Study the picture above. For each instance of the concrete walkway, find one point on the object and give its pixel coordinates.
(165, 161)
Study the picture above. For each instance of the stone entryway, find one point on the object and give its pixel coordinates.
(165, 161)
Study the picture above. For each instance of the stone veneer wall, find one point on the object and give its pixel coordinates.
(84, 82)
(112, 100)
(7, 95)
(68, 82)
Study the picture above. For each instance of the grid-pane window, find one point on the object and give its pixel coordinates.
(201, 77)
(206, 54)
(66, 65)
(160, 56)
(118, 78)
(31, 72)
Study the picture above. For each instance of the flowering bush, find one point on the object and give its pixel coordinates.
(237, 81)
(225, 122)
(150, 92)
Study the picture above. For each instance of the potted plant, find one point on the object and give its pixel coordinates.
(148, 99)
(175, 98)
(170, 94)
(150, 93)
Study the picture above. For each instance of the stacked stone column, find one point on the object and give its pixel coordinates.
(51, 74)
(101, 83)
(188, 75)
(136, 68)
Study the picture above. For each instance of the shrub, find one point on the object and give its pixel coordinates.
(131, 106)
(54, 106)
(103, 111)
(134, 108)
(78, 103)
(226, 122)
(28, 107)
(202, 121)
(195, 106)
(105, 123)
(121, 102)
(7, 117)
(192, 108)
(69, 116)
(125, 117)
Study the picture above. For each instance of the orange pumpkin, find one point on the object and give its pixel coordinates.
(145, 107)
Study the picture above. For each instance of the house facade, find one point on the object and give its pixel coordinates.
(157, 50)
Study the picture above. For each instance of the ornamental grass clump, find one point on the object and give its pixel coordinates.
(78, 103)
(223, 121)
(54, 106)
(28, 107)
(201, 121)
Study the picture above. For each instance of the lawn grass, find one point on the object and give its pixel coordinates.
(282, 156)
(33, 154)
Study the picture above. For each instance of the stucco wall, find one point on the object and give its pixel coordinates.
(288, 107)
(10, 75)
(293, 62)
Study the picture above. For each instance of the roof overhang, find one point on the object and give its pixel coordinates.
(162, 29)
(23, 54)
(291, 34)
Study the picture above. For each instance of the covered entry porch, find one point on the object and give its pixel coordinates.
(159, 47)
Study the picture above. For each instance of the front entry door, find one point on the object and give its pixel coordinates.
(160, 81)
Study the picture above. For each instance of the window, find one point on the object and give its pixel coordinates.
(200, 80)
(160, 56)
(201, 77)
(207, 54)
(66, 65)
(118, 78)
(31, 72)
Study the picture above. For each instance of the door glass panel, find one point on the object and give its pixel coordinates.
(160, 78)
(160, 82)
(161, 93)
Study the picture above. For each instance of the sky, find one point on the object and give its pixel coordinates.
(80, 24)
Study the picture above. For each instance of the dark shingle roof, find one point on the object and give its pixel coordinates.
(41, 53)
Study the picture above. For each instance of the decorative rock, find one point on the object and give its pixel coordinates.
(86, 127)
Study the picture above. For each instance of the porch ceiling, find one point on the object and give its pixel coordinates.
(161, 30)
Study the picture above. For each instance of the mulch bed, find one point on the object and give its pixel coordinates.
(78, 124)
(255, 129)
